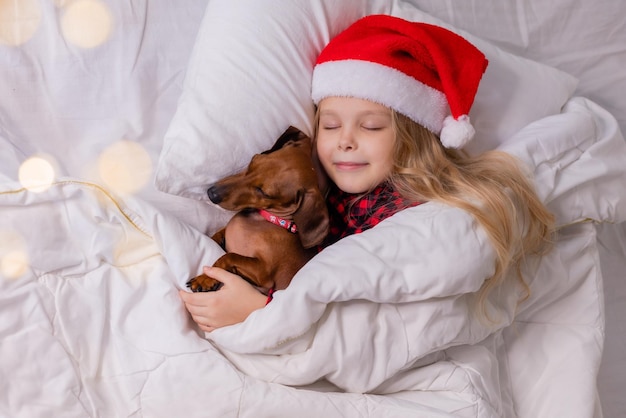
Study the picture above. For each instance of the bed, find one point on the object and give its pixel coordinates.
(114, 118)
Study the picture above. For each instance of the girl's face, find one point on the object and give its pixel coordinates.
(355, 142)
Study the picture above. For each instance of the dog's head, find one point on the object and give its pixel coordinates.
(282, 181)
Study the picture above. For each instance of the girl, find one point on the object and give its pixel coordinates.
(393, 100)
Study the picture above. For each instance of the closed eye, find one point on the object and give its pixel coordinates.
(261, 192)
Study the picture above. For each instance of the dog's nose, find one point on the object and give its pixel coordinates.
(214, 195)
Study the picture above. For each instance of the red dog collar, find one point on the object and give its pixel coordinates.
(289, 225)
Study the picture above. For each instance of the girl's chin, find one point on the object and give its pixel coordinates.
(353, 191)
(353, 188)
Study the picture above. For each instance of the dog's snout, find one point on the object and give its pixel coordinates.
(214, 194)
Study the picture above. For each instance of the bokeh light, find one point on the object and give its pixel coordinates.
(14, 260)
(37, 173)
(14, 264)
(125, 167)
(86, 23)
(19, 20)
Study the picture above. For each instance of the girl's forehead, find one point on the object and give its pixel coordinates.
(352, 105)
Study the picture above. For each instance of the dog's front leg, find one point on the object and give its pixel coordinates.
(220, 238)
(252, 269)
(203, 283)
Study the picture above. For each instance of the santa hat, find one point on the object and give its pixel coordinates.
(420, 70)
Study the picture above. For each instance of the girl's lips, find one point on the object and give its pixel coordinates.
(347, 165)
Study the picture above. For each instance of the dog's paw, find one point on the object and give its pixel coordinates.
(203, 283)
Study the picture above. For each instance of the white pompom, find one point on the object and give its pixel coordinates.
(456, 132)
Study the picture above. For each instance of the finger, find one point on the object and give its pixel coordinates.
(206, 328)
(188, 298)
(195, 298)
(203, 324)
(184, 295)
(200, 314)
(220, 274)
(201, 320)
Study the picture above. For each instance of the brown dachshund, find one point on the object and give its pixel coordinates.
(281, 218)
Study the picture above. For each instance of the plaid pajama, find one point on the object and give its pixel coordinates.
(354, 213)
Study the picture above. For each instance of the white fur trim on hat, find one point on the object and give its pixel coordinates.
(383, 85)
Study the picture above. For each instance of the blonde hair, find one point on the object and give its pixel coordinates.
(491, 187)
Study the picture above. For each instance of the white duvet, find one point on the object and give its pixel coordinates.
(379, 324)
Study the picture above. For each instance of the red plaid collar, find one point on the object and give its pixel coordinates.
(355, 213)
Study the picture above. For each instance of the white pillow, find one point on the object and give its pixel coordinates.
(249, 78)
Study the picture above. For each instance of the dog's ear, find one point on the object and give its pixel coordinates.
(291, 135)
(312, 218)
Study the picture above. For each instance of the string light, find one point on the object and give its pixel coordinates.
(19, 20)
(125, 167)
(86, 23)
(14, 260)
(37, 173)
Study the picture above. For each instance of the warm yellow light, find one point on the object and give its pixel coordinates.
(86, 23)
(14, 264)
(36, 174)
(13, 257)
(125, 167)
(19, 20)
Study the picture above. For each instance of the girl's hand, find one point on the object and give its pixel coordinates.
(231, 304)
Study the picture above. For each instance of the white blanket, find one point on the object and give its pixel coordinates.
(92, 324)
(103, 328)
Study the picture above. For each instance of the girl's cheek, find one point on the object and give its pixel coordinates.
(321, 147)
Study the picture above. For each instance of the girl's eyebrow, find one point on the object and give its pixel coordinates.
(375, 112)
(362, 113)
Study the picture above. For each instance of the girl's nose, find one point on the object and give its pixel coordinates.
(346, 140)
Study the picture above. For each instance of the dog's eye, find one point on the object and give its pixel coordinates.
(261, 192)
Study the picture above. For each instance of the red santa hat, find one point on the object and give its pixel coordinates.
(420, 70)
